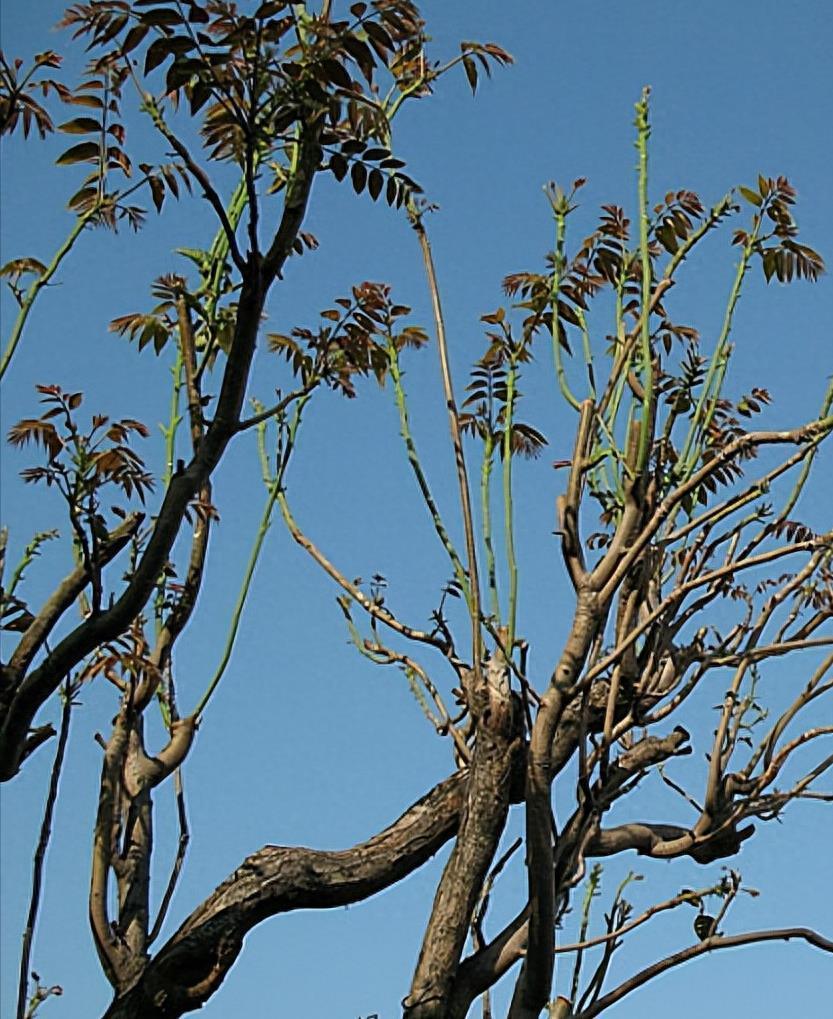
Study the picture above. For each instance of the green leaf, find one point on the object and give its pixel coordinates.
(750, 195)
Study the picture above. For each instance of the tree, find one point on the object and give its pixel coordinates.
(684, 554)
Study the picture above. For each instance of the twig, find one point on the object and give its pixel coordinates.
(372, 609)
(182, 846)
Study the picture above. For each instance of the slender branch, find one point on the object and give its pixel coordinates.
(611, 576)
(486, 514)
(679, 593)
(648, 397)
(457, 442)
(693, 951)
(380, 654)
(508, 513)
(40, 851)
(278, 409)
(712, 385)
(200, 176)
(419, 473)
(179, 859)
(371, 607)
(660, 907)
(590, 893)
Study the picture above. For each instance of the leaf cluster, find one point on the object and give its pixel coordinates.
(80, 463)
(18, 106)
(486, 406)
(352, 341)
(781, 254)
(257, 77)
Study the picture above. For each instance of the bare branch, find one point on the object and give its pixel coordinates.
(457, 444)
(693, 951)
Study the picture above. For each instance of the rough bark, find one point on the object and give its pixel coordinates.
(497, 745)
(277, 879)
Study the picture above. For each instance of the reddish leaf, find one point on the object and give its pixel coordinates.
(86, 152)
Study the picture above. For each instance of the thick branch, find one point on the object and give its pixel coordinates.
(481, 826)
(277, 879)
(664, 841)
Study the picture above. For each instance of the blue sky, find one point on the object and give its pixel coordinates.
(305, 742)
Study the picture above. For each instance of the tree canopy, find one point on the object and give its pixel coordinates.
(590, 541)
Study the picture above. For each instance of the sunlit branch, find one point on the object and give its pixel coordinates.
(729, 452)
(755, 490)
(679, 593)
(813, 689)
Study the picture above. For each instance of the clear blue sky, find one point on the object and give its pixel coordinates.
(306, 743)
